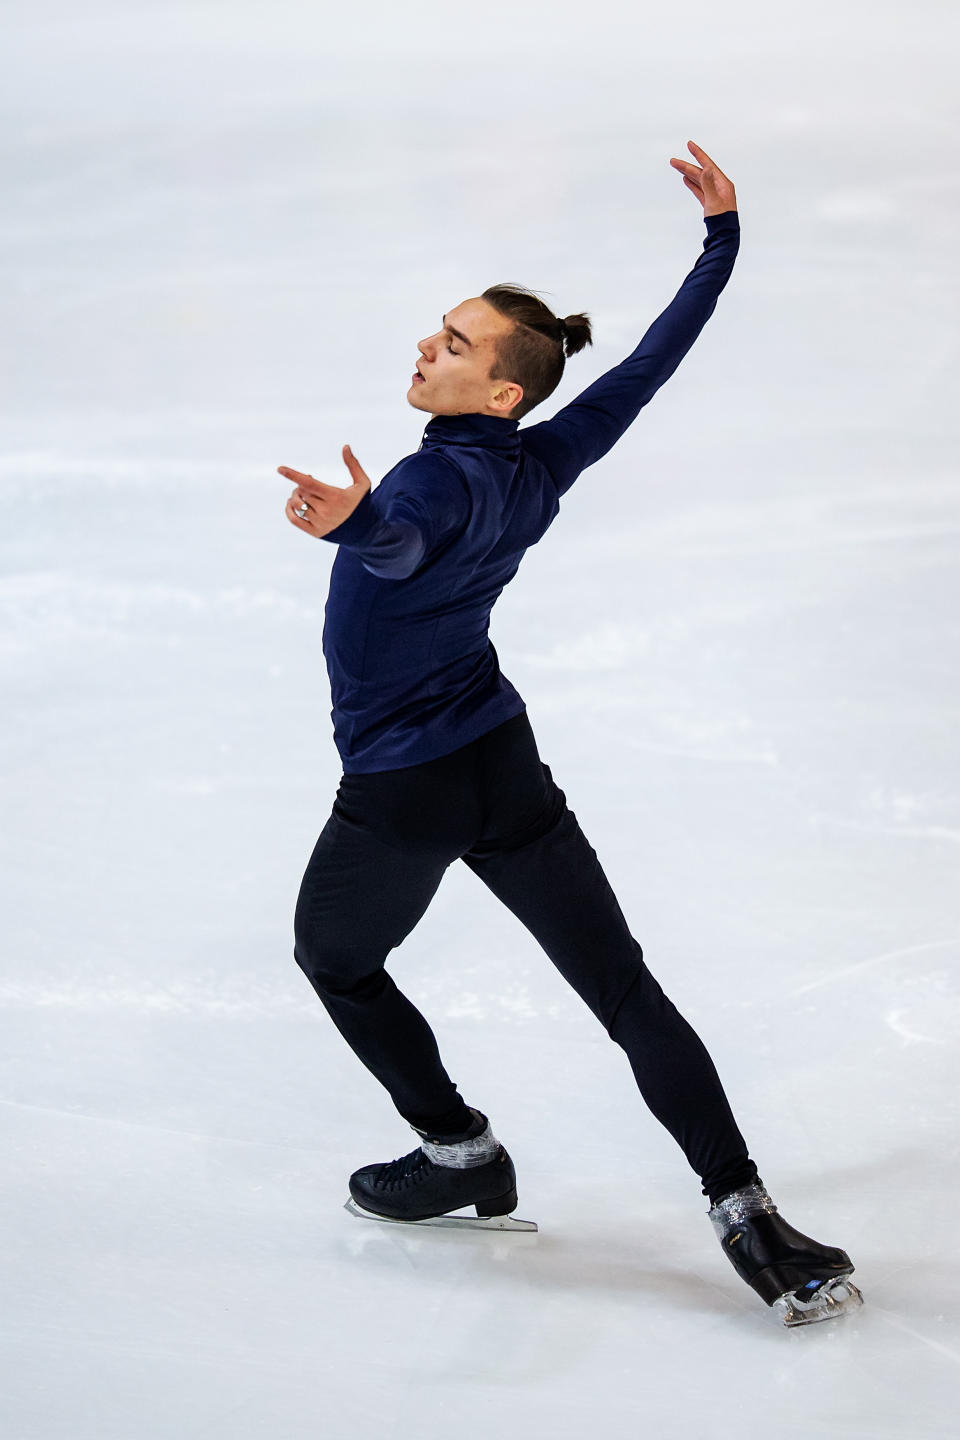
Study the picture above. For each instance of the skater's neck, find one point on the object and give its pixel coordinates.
(475, 429)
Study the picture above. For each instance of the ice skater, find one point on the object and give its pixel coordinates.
(440, 762)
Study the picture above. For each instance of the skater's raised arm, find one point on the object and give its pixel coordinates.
(583, 431)
(428, 506)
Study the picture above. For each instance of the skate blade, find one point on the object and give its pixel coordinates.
(448, 1222)
(833, 1299)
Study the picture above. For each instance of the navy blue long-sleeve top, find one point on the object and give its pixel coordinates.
(425, 554)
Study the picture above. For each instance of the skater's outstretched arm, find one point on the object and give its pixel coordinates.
(583, 431)
(429, 504)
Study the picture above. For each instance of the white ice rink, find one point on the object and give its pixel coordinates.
(223, 229)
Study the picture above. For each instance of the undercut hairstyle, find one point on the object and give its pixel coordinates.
(532, 353)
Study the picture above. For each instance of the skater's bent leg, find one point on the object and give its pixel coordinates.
(359, 898)
(554, 883)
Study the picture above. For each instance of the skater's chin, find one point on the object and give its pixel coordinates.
(414, 400)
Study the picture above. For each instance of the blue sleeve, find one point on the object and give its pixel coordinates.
(428, 505)
(583, 431)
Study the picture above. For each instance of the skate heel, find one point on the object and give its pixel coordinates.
(784, 1279)
(499, 1205)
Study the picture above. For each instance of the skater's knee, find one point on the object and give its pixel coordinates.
(319, 960)
(358, 987)
(321, 951)
(642, 993)
(340, 975)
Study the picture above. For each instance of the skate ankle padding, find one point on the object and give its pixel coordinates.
(477, 1149)
(741, 1205)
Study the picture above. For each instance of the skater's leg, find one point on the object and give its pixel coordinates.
(374, 869)
(535, 858)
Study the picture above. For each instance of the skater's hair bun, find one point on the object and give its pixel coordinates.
(532, 353)
(575, 333)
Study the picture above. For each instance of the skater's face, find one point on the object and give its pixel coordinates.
(453, 373)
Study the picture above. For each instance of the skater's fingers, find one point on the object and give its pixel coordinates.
(302, 522)
(701, 155)
(318, 506)
(316, 487)
(708, 163)
(689, 173)
(357, 472)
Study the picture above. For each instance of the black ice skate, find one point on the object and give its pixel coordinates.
(445, 1173)
(806, 1280)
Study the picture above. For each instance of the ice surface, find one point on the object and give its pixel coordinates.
(224, 228)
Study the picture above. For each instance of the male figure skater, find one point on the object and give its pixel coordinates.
(440, 762)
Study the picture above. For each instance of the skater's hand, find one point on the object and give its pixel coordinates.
(328, 505)
(707, 181)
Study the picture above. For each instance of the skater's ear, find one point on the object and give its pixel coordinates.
(505, 397)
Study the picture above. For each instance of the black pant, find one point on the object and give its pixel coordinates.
(493, 804)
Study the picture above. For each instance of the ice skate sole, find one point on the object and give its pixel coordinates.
(448, 1222)
(830, 1301)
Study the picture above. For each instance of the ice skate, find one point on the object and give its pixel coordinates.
(806, 1281)
(444, 1174)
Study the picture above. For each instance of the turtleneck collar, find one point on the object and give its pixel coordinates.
(492, 432)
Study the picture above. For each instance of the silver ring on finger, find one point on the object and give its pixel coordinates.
(302, 512)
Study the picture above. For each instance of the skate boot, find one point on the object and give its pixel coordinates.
(805, 1280)
(445, 1173)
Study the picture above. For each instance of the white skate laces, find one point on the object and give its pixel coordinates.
(462, 1154)
(735, 1208)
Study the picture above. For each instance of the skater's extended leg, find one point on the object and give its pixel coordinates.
(535, 858)
(362, 893)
